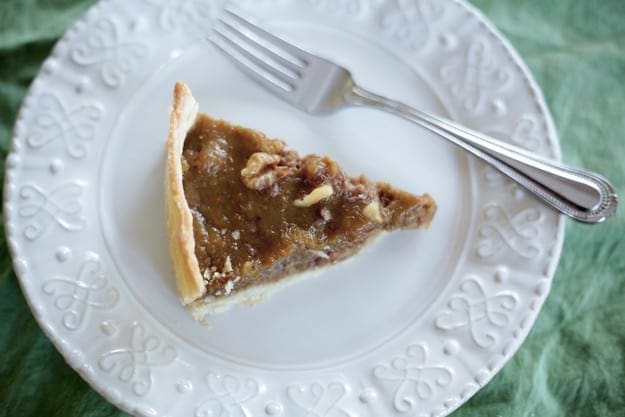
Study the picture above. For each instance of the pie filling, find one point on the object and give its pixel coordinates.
(261, 212)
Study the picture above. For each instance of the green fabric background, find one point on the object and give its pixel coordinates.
(572, 364)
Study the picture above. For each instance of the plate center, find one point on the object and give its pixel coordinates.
(347, 309)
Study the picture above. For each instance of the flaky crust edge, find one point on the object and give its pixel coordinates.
(179, 218)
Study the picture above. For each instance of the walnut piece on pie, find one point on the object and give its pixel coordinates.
(245, 214)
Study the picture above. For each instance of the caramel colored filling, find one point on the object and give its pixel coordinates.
(261, 212)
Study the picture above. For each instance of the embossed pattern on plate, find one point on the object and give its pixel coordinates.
(435, 315)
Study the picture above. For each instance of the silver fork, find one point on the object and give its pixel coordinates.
(318, 86)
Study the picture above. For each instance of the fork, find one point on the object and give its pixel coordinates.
(319, 86)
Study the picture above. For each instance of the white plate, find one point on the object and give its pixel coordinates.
(414, 325)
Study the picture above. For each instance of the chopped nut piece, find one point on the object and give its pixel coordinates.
(325, 214)
(247, 267)
(320, 254)
(258, 173)
(227, 266)
(317, 170)
(315, 196)
(236, 235)
(228, 288)
(372, 211)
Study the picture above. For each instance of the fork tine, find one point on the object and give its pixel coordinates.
(253, 58)
(300, 57)
(264, 78)
(266, 47)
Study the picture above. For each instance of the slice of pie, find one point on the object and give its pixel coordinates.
(245, 213)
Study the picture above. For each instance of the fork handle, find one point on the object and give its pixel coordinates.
(582, 195)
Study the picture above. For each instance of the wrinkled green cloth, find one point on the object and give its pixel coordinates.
(573, 362)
